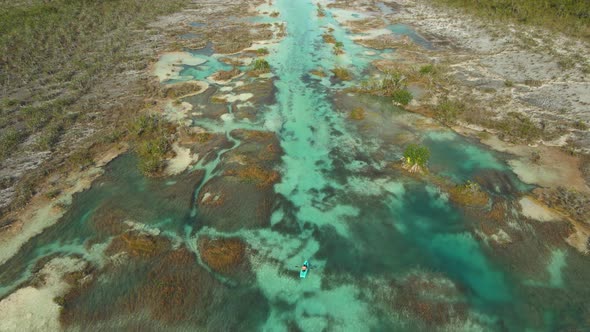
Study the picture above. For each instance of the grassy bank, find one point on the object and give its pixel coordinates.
(568, 16)
(71, 77)
(54, 53)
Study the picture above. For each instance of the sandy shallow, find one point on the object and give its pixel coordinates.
(33, 309)
(531, 208)
(43, 212)
(170, 64)
(183, 159)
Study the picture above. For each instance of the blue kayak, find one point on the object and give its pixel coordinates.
(304, 270)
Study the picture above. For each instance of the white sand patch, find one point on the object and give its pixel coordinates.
(142, 228)
(177, 112)
(42, 212)
(550, 173)
(533, 209)
(345, 15)
(170, 64)
(33, 309)
(501, 237)
(372, 34)
(206, 197)
(183, 159)
(227, 117)
(555, 168)
(240, 97)
(266, 75)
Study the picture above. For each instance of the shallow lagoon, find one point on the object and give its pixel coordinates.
(390, 251)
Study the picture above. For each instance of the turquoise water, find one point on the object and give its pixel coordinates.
(389, 251)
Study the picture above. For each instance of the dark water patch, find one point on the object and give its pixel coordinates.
(462, 159)
(498, 182)
(387, 8)
(405, 30)
(204, 51)
(212, 110)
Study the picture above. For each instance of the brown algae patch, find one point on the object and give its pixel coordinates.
(357, 113)
(255, 174)
(225, 76)
(469, 194)
(223, 255)
(184, 89)
(138, 245)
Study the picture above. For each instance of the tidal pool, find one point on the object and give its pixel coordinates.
(389, 251)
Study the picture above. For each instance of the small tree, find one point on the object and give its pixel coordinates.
(415, 157)
(402, 97)
(260, 66)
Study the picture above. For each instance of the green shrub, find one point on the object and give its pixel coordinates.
(35, 117)
(385, 86)
(8, 102)
(402, 96)
(260, 66)
(151, 141)
(80, 159)
(152, 153)
(416, 155)
(262, 51)
(580, 125)
(516, 125)
(50, 135)
(427, 69)
(9, 140)
(448, 111)
(144, 124)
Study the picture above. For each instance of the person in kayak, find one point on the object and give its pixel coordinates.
(304, 267)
